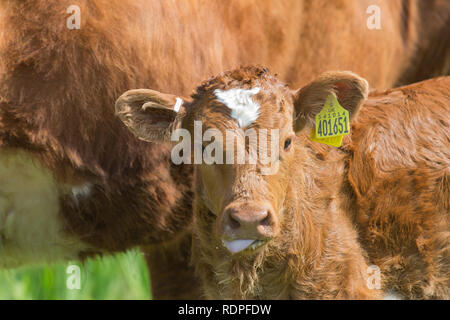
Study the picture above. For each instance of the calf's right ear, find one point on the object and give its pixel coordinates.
(349, 88)
(150, 115)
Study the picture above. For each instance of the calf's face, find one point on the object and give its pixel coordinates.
(245, 190)
(240, 129)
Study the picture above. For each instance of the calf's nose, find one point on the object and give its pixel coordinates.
(248, 222)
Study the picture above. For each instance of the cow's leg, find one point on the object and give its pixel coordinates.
(172, 276)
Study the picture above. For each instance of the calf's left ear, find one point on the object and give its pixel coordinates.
(349, 88)
(151, 115)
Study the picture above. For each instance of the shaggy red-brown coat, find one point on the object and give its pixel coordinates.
(382, 198)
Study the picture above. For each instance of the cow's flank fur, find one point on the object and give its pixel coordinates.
(400, 173)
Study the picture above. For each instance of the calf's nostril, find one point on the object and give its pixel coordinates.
(266, 221)
(233, 223)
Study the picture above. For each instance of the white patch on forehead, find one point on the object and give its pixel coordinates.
(243, 108)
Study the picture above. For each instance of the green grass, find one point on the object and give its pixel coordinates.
(123, 276)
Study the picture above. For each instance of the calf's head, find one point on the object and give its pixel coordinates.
(240, 129)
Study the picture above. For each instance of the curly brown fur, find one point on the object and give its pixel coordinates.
(400, 170)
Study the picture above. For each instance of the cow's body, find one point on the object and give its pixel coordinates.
(73, 181)
(399, 170)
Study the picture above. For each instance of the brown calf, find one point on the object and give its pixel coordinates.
(292, 233)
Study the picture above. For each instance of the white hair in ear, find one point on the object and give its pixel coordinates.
(177, 105)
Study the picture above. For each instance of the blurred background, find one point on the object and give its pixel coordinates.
(123, 276)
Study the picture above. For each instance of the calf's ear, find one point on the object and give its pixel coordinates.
(349, 88)
(149, 114)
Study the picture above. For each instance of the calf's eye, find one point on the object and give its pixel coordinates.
(287, 144)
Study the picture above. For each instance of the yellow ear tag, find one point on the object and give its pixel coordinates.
(332, 123)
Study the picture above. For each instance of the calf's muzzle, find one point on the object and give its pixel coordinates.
(247, 226)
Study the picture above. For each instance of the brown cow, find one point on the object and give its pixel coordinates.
(292, 233)
(74, 182)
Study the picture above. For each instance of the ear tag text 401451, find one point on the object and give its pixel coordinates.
(332, 123)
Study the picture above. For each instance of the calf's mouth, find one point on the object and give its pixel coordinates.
(246, 226)
(241, 245)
